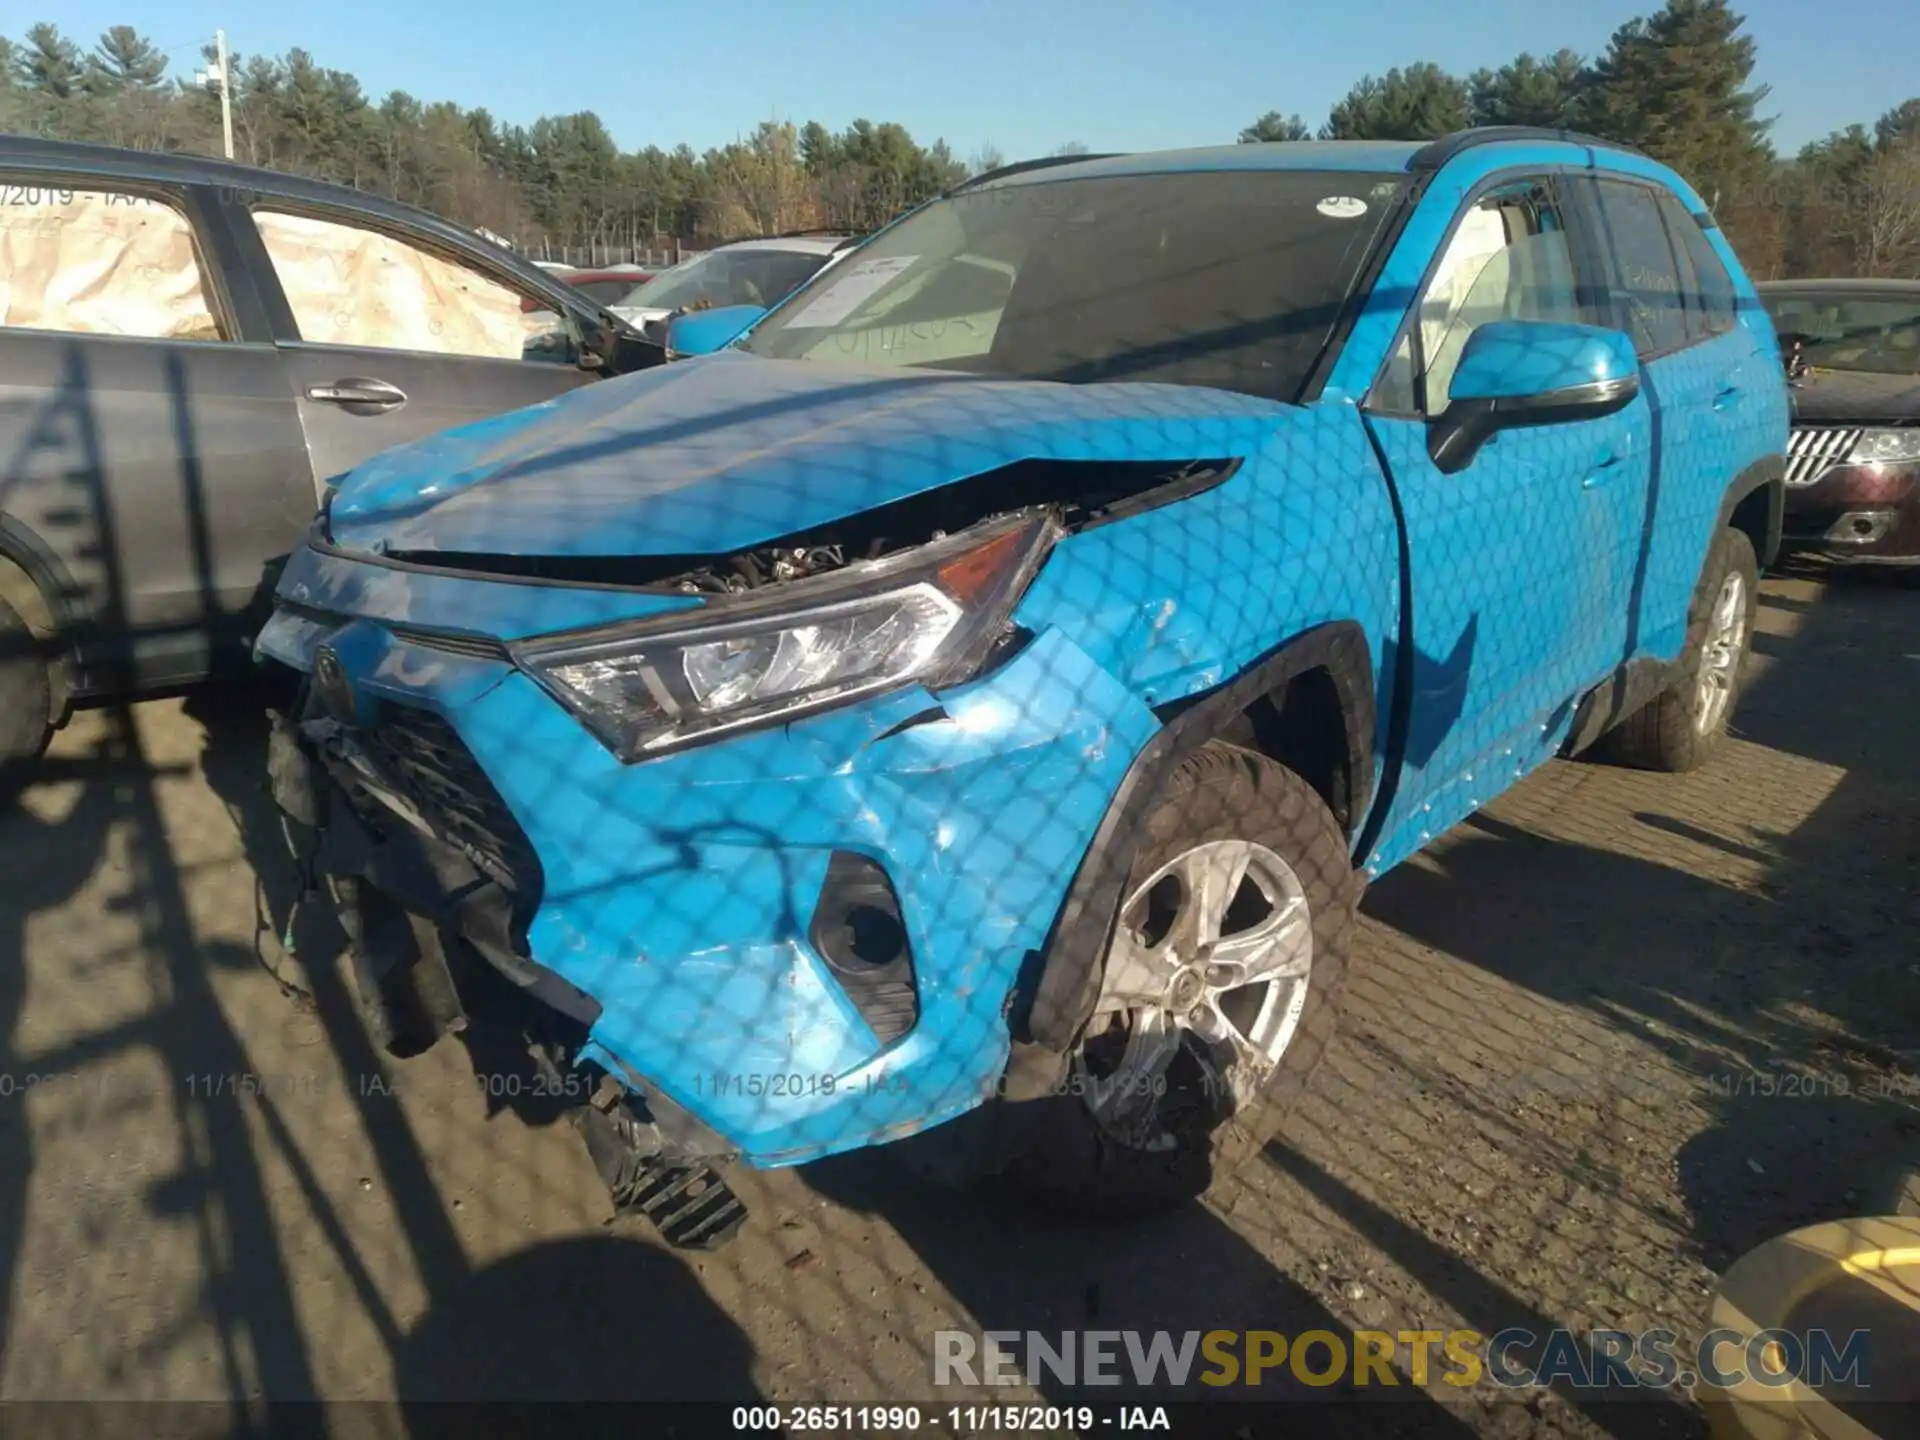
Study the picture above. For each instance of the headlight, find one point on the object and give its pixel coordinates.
(1886, 447)
(930, 615)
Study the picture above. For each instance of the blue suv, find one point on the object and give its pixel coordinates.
(966, 702)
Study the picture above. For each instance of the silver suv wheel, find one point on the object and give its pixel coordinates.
(1723, 646)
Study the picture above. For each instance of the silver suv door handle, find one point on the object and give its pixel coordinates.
(375, 394)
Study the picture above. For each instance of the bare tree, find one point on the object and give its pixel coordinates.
(763, 179)
(1886, 211)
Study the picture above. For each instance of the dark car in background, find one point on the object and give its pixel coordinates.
(189, 351)
(1853, 472)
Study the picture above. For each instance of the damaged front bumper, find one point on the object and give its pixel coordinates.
(797, 941)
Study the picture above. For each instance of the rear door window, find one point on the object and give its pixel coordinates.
(352, 285)
(101, 262)
(1709, 297)
(1646, 272)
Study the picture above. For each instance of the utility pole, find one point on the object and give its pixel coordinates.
(219, 75)
(226, 91)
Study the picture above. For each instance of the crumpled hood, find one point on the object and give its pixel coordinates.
(709, 456)
(1854, 397)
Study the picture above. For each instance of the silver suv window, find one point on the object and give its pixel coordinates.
(101, 262)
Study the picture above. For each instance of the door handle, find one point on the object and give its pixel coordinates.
(1727, 397)
(1603, 470)
(373, 394)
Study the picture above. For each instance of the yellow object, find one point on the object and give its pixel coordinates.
(1842, 1276)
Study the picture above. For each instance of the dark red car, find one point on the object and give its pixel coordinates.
(607, 287)
(1853, 462)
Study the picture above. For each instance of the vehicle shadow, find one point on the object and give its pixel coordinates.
(132, 1034)
(1745, 978)
(1014, 1269)
(590, 1319)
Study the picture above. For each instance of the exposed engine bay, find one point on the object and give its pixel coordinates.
(1079, 494)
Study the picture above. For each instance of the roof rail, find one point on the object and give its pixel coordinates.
(1435, 153)
(1020, 167)
(808, 230)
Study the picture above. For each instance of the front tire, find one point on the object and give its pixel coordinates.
(26, 695)
(1682, 726)
(1218, 996)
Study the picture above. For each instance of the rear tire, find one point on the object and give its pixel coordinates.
(1106, 1149)
(1683, 725)
(26, 702)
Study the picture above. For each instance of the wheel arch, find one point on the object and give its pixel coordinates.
(1755, 504)
(34, 583)
(1308, 704)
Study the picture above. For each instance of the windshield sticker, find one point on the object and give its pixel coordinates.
(849, 288)
(1342, 207)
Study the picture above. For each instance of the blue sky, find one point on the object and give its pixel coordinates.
(1023, 75)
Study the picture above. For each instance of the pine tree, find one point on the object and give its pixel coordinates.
(1526, 91)
(1420, 102)
(1675, 85)
(1275, 126)
(818, 150)
(50, 63)
(125, 60)
(1900, 125)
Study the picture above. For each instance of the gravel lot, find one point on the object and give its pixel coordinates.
(1603, 1038)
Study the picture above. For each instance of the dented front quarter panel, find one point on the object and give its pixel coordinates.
(1183, 598)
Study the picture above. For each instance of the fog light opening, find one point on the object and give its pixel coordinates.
(874, 936)
(1860, 527)
(859, 932)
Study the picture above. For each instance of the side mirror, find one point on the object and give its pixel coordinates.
(617, 349)
(1530, 372)
(701, 332)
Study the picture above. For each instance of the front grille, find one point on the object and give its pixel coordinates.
(1812, 450)
(423, 757)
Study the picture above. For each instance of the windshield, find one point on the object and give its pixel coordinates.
(727, 277)
(1232, 279)
(1878, 334)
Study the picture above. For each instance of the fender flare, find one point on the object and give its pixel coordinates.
(1059, 985)
(1768, 470)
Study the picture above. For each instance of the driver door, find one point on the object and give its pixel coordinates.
(1515, 613)
(394, 340)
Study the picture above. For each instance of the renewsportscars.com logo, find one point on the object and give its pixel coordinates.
(1513, 1358)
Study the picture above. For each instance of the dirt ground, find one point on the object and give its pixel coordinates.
(1602, 1039)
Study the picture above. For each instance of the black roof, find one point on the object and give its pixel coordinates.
(1436, 153)
(80, 158)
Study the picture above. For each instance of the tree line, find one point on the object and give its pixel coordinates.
(561, 181)
(1675, 83)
